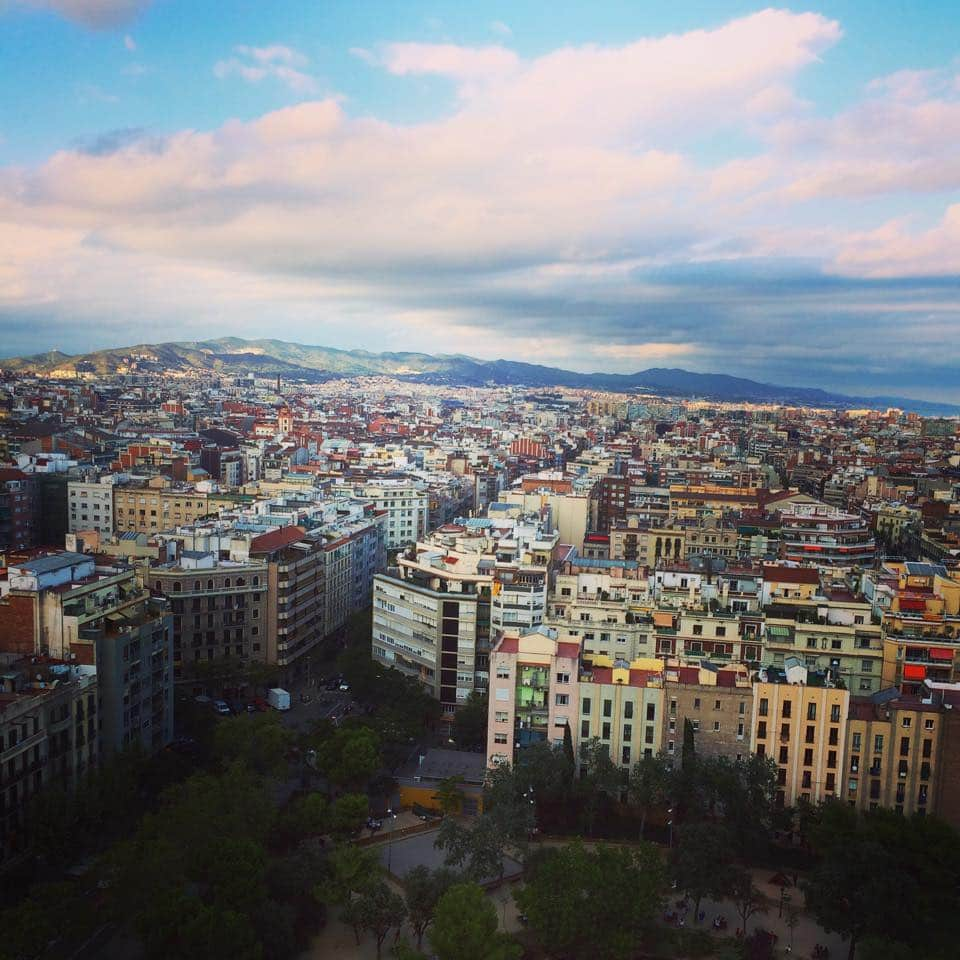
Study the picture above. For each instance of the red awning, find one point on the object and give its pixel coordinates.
(941, 653)
(914, 672)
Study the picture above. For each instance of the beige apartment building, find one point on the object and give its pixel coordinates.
(802, 728)
(156, 506)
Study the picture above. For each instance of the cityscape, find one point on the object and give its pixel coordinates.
(421, 539)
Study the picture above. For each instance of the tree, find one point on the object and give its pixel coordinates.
(599, 779)
(465, 927)
(747, 899)
(470, 723)
(347, 815)
(303, 817)
(867, 862)
(649, 785)
(449, 795)
(701, 862)
(380, 910)
(260, 741)
(350, 757)
(568, 751)
(352, 870)
(598, 903)
(476, 850)
(424, 888)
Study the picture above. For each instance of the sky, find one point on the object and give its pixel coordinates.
(767, 192)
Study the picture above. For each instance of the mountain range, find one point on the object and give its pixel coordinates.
(302, 361)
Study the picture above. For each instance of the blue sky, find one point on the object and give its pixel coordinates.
(615, 185)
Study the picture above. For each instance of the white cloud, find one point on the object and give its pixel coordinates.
(95, 14)
(277, 62)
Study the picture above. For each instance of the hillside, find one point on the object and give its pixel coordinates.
(272, 357)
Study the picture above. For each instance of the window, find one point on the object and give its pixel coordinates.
(625, 756)
(855, 741)
(831, 759)
(811, 711)
(697, 629)
(906, 721)
(651, 711)
(783, 754)
(499, 738)
(716, 704)
(607, 708)
(716, 726)
(648, 735)
(696, 703)
(854, 764)
(784, 731)
(808, 758)
(673, 708)
(764, 707)
(927, 747)
(605, 731)
(696, 725)
(928, 724)
(904, 746)
(502, 716)
(787, 706)
(721, 631)
(878, 743)
(502, 694)
(585, 705)
(503, 673)
(670, 746)
(562, 699)
(811, 731)
(835, 713)
(563, 678)
(584, 729)
(627, 732)
(762, 730)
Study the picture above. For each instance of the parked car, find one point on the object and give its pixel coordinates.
(220, 707)
(344, 687)
(261, 705)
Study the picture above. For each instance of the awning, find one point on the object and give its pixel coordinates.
(914, 672)
(941, 653)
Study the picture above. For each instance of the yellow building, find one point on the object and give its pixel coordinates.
(621, 705)
(156, 506)
(892, 755)
(921, 630)
(802, 729)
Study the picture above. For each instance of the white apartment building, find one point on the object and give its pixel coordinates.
(90, 506)
(407, 507)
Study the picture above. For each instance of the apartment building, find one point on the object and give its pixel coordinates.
(156, 506)
(219, 608)
(921, 628)
(534, 693)
(90, 506)
(64, 606)
(621, 705)
(17, 509)
(893, 755)
(718, 702)
(407, 508)
(825, 536)
(48, 738)
(802, 728)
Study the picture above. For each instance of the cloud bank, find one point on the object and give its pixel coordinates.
(571, 208)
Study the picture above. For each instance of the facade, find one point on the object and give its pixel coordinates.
(219, 609)
(48, 738)
(802, 728)
(17, 509)
(90, 507)
(826, 537)
(407, 509)
(64, 606)
(533, 695)
(158, 505)
(893, 754)
(717, 702)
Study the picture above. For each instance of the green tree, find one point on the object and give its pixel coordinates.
(449, 795)
(600, 780)
(701, 862)
(381, 910)
(477, 849)
(597, 903)
(347, 814)
(648, 786)
(470, 723)
(424, 888)
(465, 927)
(747, 899)
(303, 817)
(258, 740)
(352, 870)
(350, 757)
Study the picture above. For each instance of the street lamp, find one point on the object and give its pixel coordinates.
(670, 825)
(391, 815)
